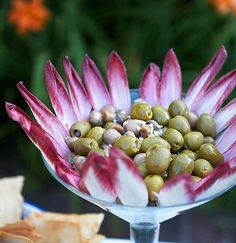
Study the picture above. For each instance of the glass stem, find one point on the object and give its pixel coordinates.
(144, 232)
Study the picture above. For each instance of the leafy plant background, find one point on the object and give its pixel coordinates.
(140, 31)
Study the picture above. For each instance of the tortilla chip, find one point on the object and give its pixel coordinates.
(96, 239)
(21, 228)
(11, 203)
(69, 228)
(11, 238)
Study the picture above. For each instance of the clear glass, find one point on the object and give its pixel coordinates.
(144, 221)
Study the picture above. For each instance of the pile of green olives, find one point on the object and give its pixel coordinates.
(163, 143)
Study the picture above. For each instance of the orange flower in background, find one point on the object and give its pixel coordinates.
(28, 15)
(225, 6)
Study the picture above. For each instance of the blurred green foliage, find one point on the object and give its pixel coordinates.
(140, 31)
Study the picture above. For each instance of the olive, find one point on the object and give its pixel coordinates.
(142, 169)
(97, 134)
(211, 153)
(141, 111)
(97, 150)
(154, 183)
(178, 107)
(110, 136)
(202, 168)
(196, 178)
(116, 126)
(174, 138)
(96, 119)
(80, 129)
(190, 153)
(140, 158)
(150, 141)
(128, 144)
(206, 125)
(82, 146)
(181, 164)
(160, 115)
(180, 123)
(158, 159)
(192, 119)
(208, 139)
(193, 140)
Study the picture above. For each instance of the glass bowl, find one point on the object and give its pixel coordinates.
(144, 221)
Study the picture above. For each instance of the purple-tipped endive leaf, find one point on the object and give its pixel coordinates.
(46, 119)
(42, 140)
(131, 189)
(96, 88)
(178, 190)
(68, 175)
(201, 83)
(118, 82)
(214, 97)
(230, 153)
(78, 93)
(218, 181)
(225, 116)
(171, 80)
(150, 83)
(99, 177)
(226, 139)
(59, 96)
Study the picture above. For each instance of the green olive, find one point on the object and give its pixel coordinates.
(130, 145)
(141, 111)
(211, 153)
(208, 139)
(160, 115)
(196, 178)
(158, 159)
(178, 107)
(80, 129)
(190, 153)
(181, 164)
(192, 119)
(96, 133)
(180, 123)
(193, 140)
(174, 138)
(82, 146)
(154, 183)
(202, 168)
(150, 141)
(206, 125)
(97, 150)
(142, 169)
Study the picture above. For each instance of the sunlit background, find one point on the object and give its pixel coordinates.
(141, 31)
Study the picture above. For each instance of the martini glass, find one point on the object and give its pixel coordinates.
(144, 221)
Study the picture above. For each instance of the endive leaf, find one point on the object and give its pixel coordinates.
(150, 83)
(95, 85)
(171, 80)
(59, 96)
(118, 82)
